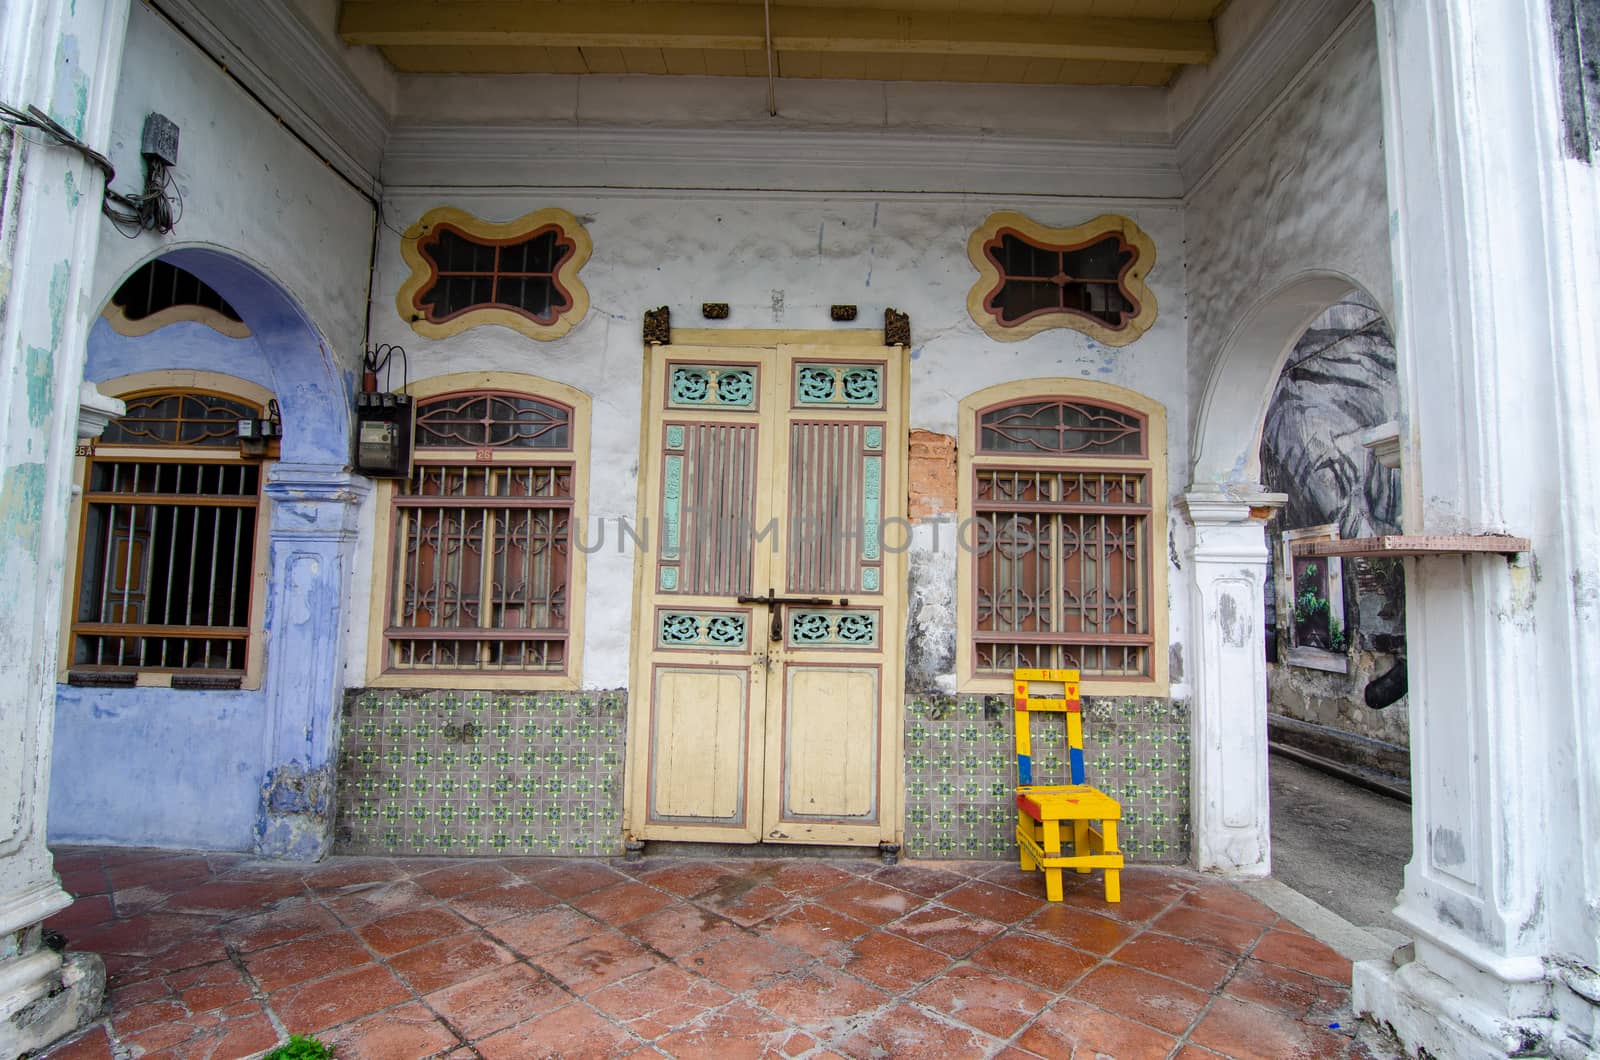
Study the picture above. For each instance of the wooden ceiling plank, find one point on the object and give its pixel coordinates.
(738, 27)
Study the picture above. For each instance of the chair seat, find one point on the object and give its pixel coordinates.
(1067, 802)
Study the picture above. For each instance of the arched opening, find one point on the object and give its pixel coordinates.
(158, 743)
(1293, 417)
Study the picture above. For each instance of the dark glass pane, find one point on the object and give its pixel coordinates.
(1062, 427)
(1102, 260)
(1019, 298)
(161, 285)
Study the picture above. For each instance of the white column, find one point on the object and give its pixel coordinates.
(1500, 387)
(63, 58)
(1232, 825)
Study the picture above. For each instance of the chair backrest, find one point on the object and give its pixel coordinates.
(1054, 691)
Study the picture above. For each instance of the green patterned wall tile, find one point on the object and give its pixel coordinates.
(465, 773)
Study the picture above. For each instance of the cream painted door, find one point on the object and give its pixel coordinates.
(770, 611)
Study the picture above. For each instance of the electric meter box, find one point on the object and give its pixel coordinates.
(383, 434)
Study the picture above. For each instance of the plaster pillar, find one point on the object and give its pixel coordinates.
(313, 534)
(1502, 894)
(63, 58)
(1228, 569)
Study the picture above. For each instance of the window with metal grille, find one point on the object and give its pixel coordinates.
(470, 272)
(1060, 539)
(481, 556)
(167, 556)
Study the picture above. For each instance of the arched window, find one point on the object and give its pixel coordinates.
(1062, 498)
(484, 574)
(169, 520)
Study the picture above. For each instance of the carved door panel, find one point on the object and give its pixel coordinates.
(769, 616)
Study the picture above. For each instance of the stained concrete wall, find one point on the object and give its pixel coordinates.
(1300, 196)
(779, 261)
(287, 243)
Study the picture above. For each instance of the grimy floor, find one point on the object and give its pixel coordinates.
(221, 956)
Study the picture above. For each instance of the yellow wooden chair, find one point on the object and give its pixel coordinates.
(1043, 808)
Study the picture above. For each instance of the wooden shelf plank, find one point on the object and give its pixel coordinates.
(1415, 545)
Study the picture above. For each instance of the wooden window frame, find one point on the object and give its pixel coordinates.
(1132, 278)
(250, 676)
(575, 455)
(1152, 464)
(424, 273)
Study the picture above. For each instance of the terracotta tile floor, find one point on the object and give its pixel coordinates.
(222, 956)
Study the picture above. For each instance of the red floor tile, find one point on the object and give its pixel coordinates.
(1250, 1032)
(92, 1044)
(1229, 901)
(1212, 929)
(623, 902)
(659, 1001)
(575, 1032)
(449, 961)
(380, 900)
(316, 1006)
(871, 902)
(982, 1000)
(813, 930)
(946, 930)
(463, 878)
(597, 961)
(686, 879)
(1202, 967)
(681, 929)
(737, 1031)
(570, 878)
(992, 902)
(809, 879)
(210, 986)
(82, 913)
(1081, 930)
(891, 961)
(817, 995)
(311, 958)
(1042, 963)
(492, 1002)
(403, 1033)
(746, 906)
(1304, 954)
(539, 933)
(906, 1033)
(919, 880)
(1161, 1003)
(404, 931)
(285, 924)
(1283, 989)
(744, 962)
(768, 957)
(1070, 1025)
(494, 904)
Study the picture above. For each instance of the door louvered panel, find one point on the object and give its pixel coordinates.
(834, 501)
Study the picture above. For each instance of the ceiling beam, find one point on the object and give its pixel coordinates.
(738, 27)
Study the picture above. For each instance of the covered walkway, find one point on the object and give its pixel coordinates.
(218, 955)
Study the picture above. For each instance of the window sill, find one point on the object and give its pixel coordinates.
(1317, 659)
(186, 682)
(475, 681)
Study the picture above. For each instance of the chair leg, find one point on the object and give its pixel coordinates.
(1024, 859)
(1052, 849)
(1108, 835)
(1080, 841)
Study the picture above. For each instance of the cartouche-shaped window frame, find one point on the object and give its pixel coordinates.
(423, 272)
(991, 278)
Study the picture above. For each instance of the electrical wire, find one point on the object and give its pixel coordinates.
(156, 208)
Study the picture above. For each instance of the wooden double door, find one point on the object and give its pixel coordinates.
(770, 610)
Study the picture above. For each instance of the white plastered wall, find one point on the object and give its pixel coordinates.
(780, 260)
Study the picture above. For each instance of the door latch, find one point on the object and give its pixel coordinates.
(777, 603)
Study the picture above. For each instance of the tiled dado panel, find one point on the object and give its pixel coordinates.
(961, 767)
(463, 773)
